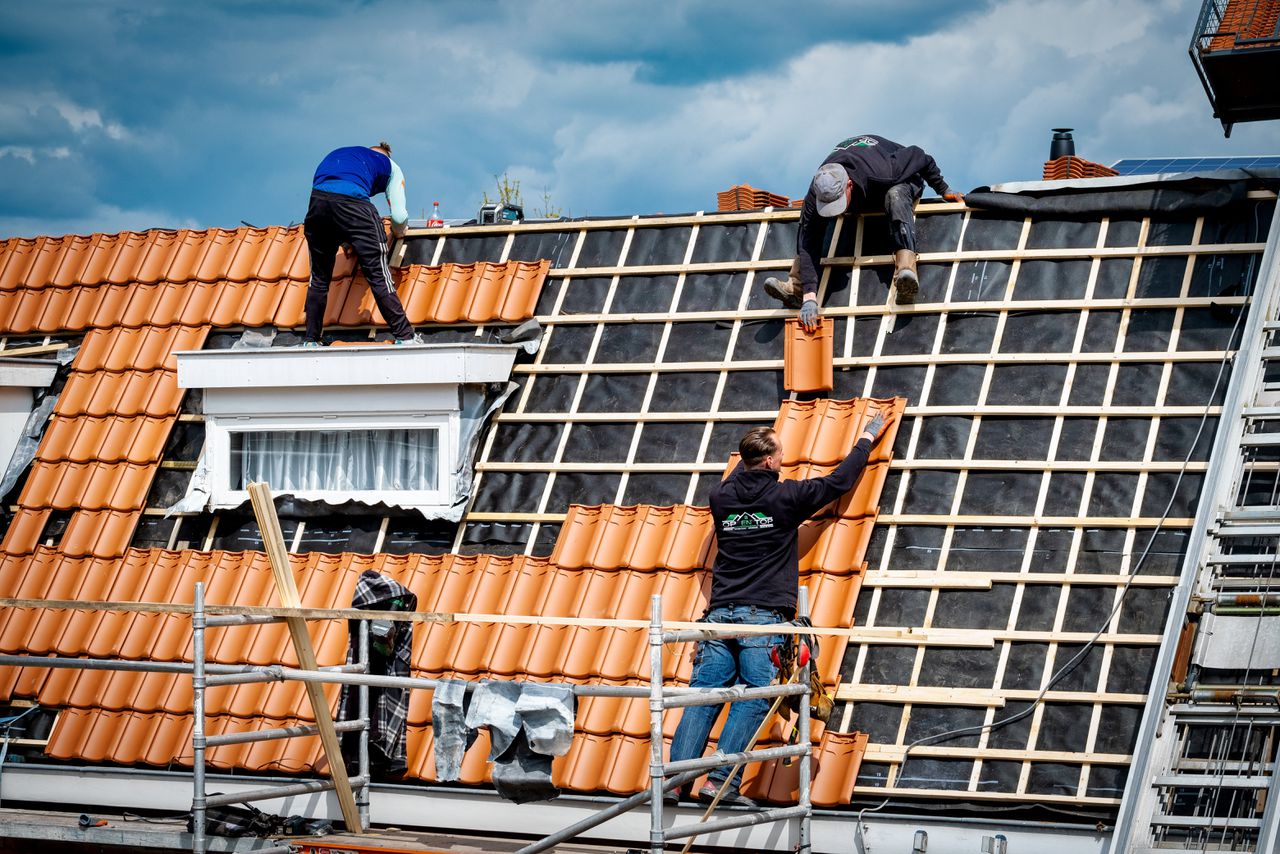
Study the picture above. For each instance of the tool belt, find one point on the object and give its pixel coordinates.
(790, 657)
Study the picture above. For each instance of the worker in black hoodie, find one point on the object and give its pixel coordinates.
(754, 581)
(862, 174)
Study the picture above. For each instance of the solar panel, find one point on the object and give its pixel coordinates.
(1158, 165)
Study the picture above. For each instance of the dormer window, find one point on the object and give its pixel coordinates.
(373, 424)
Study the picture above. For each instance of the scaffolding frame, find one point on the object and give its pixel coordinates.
(666, 776)
(663, 775)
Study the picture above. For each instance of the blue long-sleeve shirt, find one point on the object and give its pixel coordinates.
(363, 173)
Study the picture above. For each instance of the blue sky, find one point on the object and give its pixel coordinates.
(119, 115)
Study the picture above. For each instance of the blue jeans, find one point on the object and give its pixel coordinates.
(720, 663)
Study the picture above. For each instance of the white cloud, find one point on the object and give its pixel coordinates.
(30, 153)
(19, 152)
(78, 117)
(20, 111)
(980, 96)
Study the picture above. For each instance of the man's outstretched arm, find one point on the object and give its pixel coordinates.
(816, 492)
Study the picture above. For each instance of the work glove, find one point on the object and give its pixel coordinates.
(809, 315)
(876, 425)
(954, 197)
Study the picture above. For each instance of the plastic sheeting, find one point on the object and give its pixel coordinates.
(1192, 192)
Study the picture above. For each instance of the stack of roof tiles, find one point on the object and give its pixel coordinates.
(1072, 168)
(744, 197)
(1248, 24)
(607, 562)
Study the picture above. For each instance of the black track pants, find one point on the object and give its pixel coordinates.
(334, 219)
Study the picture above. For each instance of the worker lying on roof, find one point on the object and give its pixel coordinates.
(754, 581)
(340, 214)
(862, 173)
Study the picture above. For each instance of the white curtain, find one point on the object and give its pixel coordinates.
(343, 460)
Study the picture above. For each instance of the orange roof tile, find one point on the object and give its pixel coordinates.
(243, 277)
(643, 537)
(614, 761)
(107, 438)
(807, 357)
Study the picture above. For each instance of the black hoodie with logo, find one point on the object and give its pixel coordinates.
(757, 517)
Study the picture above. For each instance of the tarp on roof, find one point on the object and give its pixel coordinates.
(1189, 192)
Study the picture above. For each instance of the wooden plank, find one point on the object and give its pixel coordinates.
(769, 415)
(896, 464)
(897, 753)
(632, 221)
(36, 350)
(943, 520)
(983, 580)
(930, 695)
(1184, 356)
(863, 634)
(272, 537)
(1023, 254)
(881, 309)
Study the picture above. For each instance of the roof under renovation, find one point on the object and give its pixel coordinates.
(1011, 548)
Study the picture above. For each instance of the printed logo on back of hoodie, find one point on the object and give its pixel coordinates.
(856, 142)
(746, 521)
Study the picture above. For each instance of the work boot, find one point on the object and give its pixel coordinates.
(784, 289)
(905, 278)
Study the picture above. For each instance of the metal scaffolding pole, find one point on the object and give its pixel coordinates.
(198, 843)
(362, 769)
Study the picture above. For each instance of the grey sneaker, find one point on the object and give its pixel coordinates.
(417, 338)
(308, 344)
(784, 290)
(730, 798)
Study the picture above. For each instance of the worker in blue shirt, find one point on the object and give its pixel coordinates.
(341, 215)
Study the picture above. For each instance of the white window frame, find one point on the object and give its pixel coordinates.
(218, 447)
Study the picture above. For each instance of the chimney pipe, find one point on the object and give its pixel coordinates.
(1063, 145)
